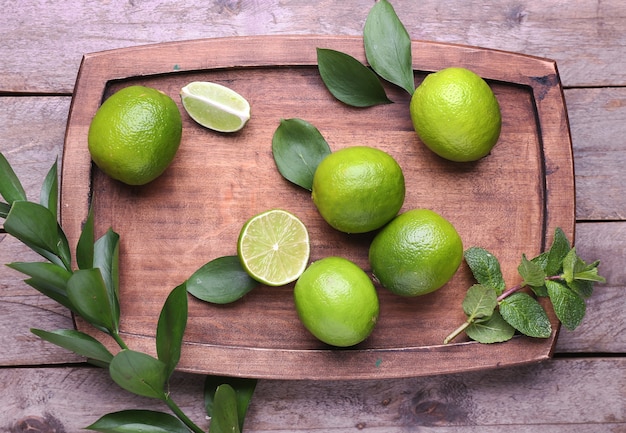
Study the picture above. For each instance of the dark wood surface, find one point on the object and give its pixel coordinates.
(581, 389)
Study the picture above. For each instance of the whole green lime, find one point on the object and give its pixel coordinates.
(336, 301)
(456, 114)
(416, 253)
(135, 134)
(358, 189)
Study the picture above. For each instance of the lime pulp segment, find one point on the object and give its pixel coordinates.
(273, 247)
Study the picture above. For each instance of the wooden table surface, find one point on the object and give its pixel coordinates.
(583, 389)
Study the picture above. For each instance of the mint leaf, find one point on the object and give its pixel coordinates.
(525, 314)
(480, 302)
(485, 268)
(493, 330)
(349, 80)
(531, 273)
(388, 46)
(298, 148)
(569, 307)
(584, 288)
(557, 252)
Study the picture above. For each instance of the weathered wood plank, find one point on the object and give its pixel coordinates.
(562, 395)
(598, 127)
(35, 61)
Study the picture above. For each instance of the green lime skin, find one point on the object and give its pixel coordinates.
(135, 134)
(416, 253)
(336, 301)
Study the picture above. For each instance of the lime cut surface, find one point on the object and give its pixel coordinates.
(273, 247)
(215, 106)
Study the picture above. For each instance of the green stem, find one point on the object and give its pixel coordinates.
(119, 340)
(181, 415)
(456, 332)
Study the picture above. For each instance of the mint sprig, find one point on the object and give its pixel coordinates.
(494, 313)
(92, 292)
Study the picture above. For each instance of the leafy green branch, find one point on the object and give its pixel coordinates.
(92, 292)
(495, 313)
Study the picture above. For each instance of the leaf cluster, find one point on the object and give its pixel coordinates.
(388, 52)
(91, 291)
(495, 314)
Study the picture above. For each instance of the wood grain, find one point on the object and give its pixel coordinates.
(513, 399)
(32, 30)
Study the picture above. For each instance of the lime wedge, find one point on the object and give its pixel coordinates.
(273, 247)
(215, 106)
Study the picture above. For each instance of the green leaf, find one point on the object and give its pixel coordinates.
(4, 209)
(349, 80)
(221, 281)
(106, 258)
(78, 342)
(584, 288)
(298, 148)
(571, 265)
(493, 330)
(138, 421)
(225, 416)
(10, 187)
(171, 327)
(36, 227)
(89, 296)
(48, 278)
(85, 246)
(50, 190)
(485, 268)
(244, 389)
(557, 252)
(590, 273)
(388, 46)
(480, 302)
(526, 315)
(139, 373)
(532, 273)
(569, 307)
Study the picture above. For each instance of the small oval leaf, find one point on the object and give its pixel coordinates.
(493, 330)
(526, 315)
(139, 373)
(349, 80)
(485, 267)
(568, 306)
(225, 417)
(298, 148)
(221, 281)
(388, 46)
(138, 421)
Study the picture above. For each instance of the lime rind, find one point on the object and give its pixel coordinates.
(215, 106)
(274, 248)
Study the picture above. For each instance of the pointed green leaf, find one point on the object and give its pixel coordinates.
(244, 389)
(526, 315)
(50, 190)
(571, 264)
(532, 273)
(493, 330)
(138, 421)
(349, 80)
(10, 187)
(225, 416)
(4, 209)
(480, 302)
(139, 373)
(48, 278)
(569, 307)
(298, 148)
(36, 227)
(89, 296)
(106, 258)
(171, 327)
(557, 252)
(85, 246)
(78, 342)
(221, 281)
(485, 268)
(388, 46)
(584, 288)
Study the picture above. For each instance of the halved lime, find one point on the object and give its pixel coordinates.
(215, 106)
(273, 247)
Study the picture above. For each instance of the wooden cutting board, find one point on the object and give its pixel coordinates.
(509, 202)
